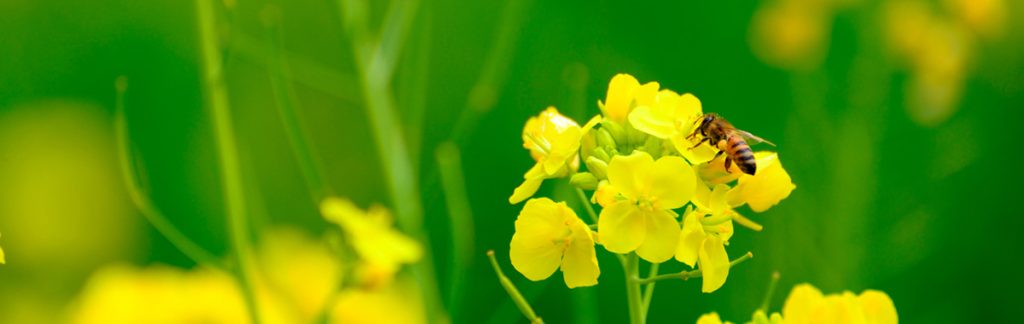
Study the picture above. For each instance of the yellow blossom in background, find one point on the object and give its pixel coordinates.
(381, 249)
(766, 188)
(807, 304)
(674, 117)
(553, 141)
(625, 92)
(984, 17)
(297, 272)
(706, 230)
(549, 235)
(792, 34)
(641, 218)
(711, 318)
(398, 303)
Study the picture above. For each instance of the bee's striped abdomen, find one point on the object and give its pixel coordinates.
(741, 155)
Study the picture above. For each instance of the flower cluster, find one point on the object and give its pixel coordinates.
(663, 191)
(807, 304)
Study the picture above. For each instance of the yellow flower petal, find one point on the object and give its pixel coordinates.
(878, 307)
(691, 239)
(662, 237)
(579, 265)
(605, 195)
(534, 250)
(711, 318)
(769, 185)
(671, 183)
(531, 182)
(619, 98)
(622, 227)
(646, 120)
(646, 94)
(371, 235)
(801, 304)
(627, 172)
(714, 264)
(689, 107)
(696, 155)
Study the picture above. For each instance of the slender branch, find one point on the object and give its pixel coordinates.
(284, 95)
(686, 275)
(521, 302)
(771, 291)
(461, 221)
(587, 205)
(231, 176)
(746, 222)
(149, 211)
(649, 290)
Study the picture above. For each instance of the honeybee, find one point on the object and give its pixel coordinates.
(729, 140)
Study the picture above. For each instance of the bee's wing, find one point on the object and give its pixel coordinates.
(753, 139)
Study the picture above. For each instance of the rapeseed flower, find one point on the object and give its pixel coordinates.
(807, 304)
(381, 248)
(625, 93)
(766, 188)
(674, 117)
(553, 141)
(640, 218)
(549, 235)
(706, 230)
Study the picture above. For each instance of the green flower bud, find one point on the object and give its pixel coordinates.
(584, 180)
(605, 139)
(616, 131)
(597, 167)
(587, 144)
(654, 146)
(600, 153)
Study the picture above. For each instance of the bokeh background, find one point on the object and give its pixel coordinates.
(899, 121)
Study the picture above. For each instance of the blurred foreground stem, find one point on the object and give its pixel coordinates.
(632, 268)
(231, 177)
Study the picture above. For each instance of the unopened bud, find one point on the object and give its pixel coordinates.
(584, 180)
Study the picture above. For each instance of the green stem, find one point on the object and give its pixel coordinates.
(284, 95)
(461, 221)
(149, 211)
(649, 290)
(771, 291)
(231, 179)
(520, 302)
(685, 275)
(632, 269)
(586, 204)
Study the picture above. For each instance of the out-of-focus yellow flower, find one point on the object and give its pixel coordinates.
(124, 294)
(807, 304)
(766, 188)
(296, 272)
(381, 248)
(674, 117)
(791, 34)
(641, 218)
(624, 93)
(553, 141)
(549, 235)
(711, 318)
(705, 232)
(398, 303)
(984, 17)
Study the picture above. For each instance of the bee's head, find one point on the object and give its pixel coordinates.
(708, 118)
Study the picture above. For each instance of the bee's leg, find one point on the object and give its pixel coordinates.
(728, 162)
(720, 152)
(701, 142)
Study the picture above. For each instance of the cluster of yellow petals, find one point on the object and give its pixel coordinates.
(549, 235)
(381, 248)
(807, 305)
(643, 166)
(640, 218)
(553, 141)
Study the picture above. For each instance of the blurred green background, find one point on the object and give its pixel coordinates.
(906, 165)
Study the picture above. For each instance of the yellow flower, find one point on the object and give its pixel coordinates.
(711, 318)
(674, 117)
(705, 232)
(553, 141)
(624, 91)
(641, 218)
(398, 303)
(806, 304)
(381, 248)
(791, 34)
(549, 235)
(766, 188)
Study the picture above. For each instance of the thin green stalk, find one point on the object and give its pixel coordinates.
(586, 204)
(284, 95)
(391, 146)
(771, 291)
(149, 211)
(649, 289)
(520, 302)
(632, 269)
(460, 219)
(231, 180)
(685, 275)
